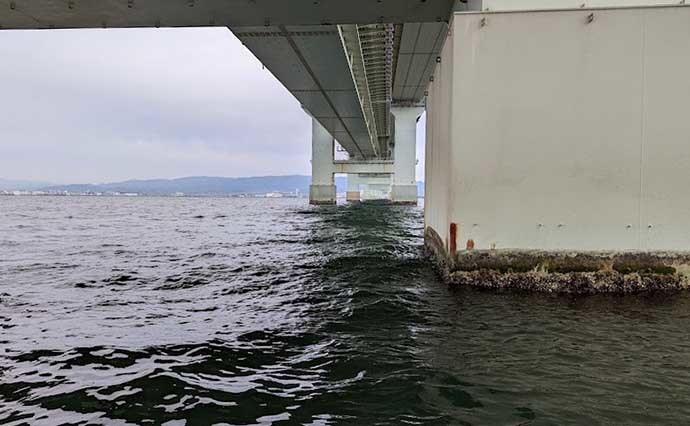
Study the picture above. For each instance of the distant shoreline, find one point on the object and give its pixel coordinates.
(290, 186)
(135, 195)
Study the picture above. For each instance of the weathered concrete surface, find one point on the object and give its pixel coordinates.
(404, 194)
(574, 272)
(557, 151)
(322, 194)
(562, 130)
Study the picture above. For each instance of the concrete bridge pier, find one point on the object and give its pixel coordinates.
(322, 188)
(404, 186)
(370, 173)
(352, 195)
(375, 187)
(368, 187)
(557, 150)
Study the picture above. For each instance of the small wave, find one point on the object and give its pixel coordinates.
(121, 279)
(206, 255)
(179, 282)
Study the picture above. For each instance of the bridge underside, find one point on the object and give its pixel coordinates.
(312, 64)
(348, 63)
(307, 45)
(52, 14)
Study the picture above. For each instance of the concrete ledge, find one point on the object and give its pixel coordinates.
(561, 271)
(372, 166)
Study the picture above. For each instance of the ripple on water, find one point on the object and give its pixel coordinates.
(145, 311)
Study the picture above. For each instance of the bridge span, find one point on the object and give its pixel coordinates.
(558, 142)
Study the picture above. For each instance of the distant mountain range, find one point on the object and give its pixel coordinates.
(195, 185)
(21, 185)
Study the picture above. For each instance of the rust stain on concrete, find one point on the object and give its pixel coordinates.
(453, 238)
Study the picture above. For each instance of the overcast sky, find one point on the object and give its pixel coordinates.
(106, 105)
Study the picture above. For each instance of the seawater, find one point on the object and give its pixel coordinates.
(200, 311)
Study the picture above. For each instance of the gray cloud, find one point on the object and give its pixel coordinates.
(104, 105)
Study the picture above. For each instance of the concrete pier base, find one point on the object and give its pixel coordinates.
(570, 272)
(404, 194)
(352, 196)
(375, 188)
(322, 194)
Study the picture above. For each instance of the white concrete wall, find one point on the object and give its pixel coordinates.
(563, 134)
(437, 179)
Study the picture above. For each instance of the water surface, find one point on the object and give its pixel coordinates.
(205, 311)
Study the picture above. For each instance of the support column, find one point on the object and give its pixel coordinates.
(404, 188)
(353, 187)
(322, 188)
(376, 187)
(569, 178)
